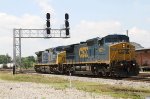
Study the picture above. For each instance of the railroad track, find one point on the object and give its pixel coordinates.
(142, 77)
(18, 71)
(5, 69)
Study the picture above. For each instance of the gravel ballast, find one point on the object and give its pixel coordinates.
(114, 82)
(28, 90)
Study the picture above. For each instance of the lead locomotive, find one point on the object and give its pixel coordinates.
(112, 55)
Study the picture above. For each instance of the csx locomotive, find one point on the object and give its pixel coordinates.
(112, 55)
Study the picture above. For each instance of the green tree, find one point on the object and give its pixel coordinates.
(4, 59)
(28, 62)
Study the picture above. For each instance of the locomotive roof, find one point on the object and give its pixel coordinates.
(142, 49)
(93, 39)
(116, 38)
(72, 45)
(96, 38)
(116, 35)
(39, 52)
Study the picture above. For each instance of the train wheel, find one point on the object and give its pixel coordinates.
(103, 73)
(100, 74)
(112, 74)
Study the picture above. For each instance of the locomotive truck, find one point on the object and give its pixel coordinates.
(112, 55)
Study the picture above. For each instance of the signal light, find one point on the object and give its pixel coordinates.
(67, 24)
(48, 29)
(67, 31)
(47, 16)
(48, 24)
(66, 16)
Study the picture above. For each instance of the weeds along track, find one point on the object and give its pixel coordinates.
(124, 82)
(18, 71)
(7, 70)
(142, 77)
(138, 82)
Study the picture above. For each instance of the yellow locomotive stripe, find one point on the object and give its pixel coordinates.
(93, 62)
(73, 63)
(42, 64)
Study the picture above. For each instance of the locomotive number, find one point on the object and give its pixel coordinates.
(125, 51)
(83, 52)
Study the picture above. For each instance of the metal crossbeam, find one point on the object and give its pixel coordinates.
(31, 33)
(40, 33)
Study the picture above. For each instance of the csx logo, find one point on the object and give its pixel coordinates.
(101, 50)
(83, 52)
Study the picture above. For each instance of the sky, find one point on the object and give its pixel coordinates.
(88, 19)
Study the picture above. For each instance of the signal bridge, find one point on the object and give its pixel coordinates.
(40, 33)
(18, 34)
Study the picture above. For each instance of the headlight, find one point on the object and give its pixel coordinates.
(121, 64)
(123, 45)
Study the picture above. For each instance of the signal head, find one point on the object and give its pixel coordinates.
(47, 16)
(67, 31)
(66, 23)
(66, 16)
(48, 23)
(48, 31)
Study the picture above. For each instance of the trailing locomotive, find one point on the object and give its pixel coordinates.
(112, 55)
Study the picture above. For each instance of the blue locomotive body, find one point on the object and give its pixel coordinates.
(107, 56)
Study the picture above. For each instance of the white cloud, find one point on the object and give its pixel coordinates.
(27, 21)
(148, 20)
(45, 6)
(88, 29)
(8, 22)
(6, 46)
(140, 36)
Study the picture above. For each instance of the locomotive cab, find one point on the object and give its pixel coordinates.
(121, 55)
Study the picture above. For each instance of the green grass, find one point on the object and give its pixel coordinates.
(115, 91)
(59, 83)
(56, 82)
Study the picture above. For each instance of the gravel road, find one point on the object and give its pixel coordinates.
(27, 90)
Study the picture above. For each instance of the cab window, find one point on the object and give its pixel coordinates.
(101, 42)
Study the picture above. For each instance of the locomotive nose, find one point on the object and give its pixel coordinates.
(122, 56)
(122, 51)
